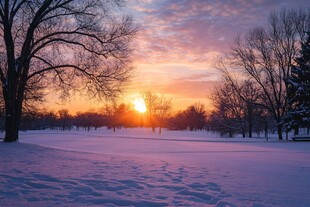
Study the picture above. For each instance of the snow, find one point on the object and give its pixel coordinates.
(135, 167)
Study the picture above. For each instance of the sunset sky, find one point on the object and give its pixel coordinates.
(178, 43)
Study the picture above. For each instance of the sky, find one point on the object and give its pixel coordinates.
(179, 42)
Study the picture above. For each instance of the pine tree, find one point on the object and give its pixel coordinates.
(299, 90)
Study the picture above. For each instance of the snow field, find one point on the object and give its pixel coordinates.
(135, 167)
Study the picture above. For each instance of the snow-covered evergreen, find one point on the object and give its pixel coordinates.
(299, 90)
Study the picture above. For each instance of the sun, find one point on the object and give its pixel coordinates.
(139, 105)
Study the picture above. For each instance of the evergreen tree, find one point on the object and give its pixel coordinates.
(299, 90)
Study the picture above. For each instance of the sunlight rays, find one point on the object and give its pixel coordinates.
(139, 105)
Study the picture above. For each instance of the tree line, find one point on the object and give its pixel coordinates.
(117, 116)
(114, 117)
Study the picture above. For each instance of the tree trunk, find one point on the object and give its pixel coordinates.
(250, 127)
(11, 130)
(243, 133)
(13, 95)
(12, 120)
(296, 130)
(280, 131)
(266, 130)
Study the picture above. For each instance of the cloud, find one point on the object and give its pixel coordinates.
(189, 29)
(197, 77)
(174, 80)
(189, 89)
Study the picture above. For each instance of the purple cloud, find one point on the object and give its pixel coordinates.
(182, 28)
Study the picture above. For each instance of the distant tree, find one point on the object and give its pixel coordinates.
(235, 108)
(230, 111)
(88, 119)
(192, 118)
(82, 119)
(162, 112)
(50, 118)
(228, 117)
(299, 90)
(265, 55)
(29, 121)
(65, 119)
(97, 119)
(178, 121)
(218, 121)
(120, 115)
(110, 113)
(196, 116)
(64, 44)
(158, 109)
(78, 120)
(150, 99)
(253, 112)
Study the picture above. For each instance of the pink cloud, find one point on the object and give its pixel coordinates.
(188, 29)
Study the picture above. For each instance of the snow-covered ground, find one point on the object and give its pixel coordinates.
(136, 167)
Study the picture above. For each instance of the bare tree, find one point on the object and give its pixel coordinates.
(80, 45)
(178, 121)
(158, 109)
(88, 120)
(65, 119)
(110, 110)
(150, 99)
(196, 116)
(163, 110)
(235, 108)
(230, 111)
(265, 55)
(253, 112)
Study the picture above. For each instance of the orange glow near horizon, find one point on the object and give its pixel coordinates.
(139, 105)
(177, 48)
(179, 43)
